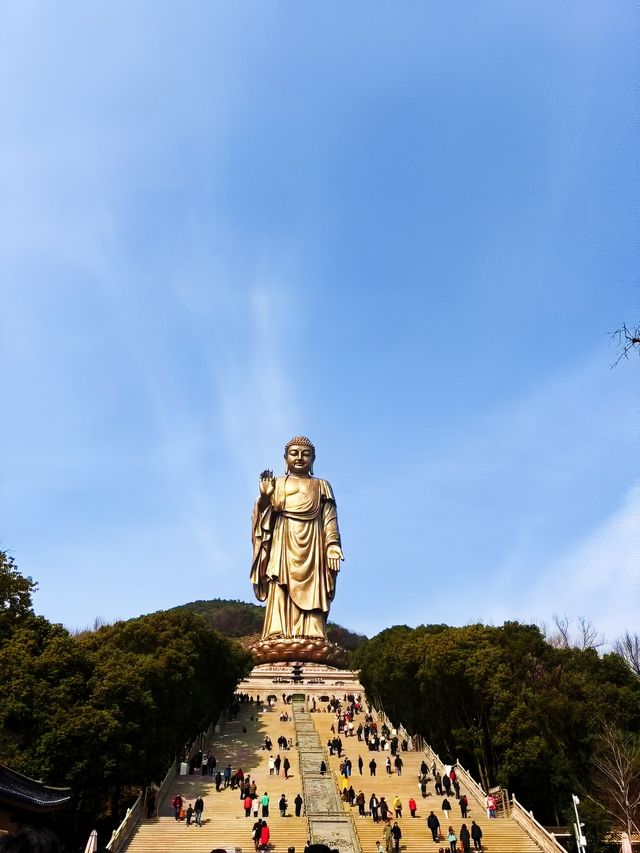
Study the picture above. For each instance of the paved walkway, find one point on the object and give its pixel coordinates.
(328, 824)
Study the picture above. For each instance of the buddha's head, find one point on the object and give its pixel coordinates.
(299, 456)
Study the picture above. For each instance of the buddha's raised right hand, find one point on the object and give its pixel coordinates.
(267, 483)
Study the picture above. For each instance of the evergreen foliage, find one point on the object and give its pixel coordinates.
(15, 595)
(231, 617)
(509, 706)
(108, 710)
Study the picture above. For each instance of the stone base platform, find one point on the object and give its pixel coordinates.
(317, 681)
(299, 650)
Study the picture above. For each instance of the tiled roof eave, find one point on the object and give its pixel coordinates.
(20, 791)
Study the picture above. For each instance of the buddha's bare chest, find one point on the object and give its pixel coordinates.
(299, 488)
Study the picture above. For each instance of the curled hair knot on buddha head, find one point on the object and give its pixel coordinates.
(301, 441)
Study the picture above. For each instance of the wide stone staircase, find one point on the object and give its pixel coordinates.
(501, 835)
(240, 745)
(224, 823)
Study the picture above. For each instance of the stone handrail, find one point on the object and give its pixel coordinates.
(134, 815)
(469, 782)
(545, 840)
(415, 742)
(404, 735)
(165, 784)
(122, 834)
(384, 719)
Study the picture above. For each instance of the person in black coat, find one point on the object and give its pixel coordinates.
(446, 808)
(465, 838)
(438, 780)
(198, 808)
(374, 805)
(384, 809)
(434, 825)
(256, 832)
(463, 802)
(476, 834)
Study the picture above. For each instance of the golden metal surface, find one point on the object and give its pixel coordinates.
(296, 547)
(310, 649)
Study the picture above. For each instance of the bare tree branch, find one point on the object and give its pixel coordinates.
(617, 760)
(628, 647)
(560, 638)
(586, 635)
(625, 339)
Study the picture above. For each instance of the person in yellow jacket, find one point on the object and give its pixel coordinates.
(344, 784)
(397, 806)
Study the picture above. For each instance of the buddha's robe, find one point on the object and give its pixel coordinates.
(290, 572)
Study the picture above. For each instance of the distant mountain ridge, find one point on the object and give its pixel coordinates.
(234, 618)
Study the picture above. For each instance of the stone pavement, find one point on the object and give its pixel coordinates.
(328, 823)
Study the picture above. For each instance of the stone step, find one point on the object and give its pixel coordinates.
(225, 824)
(165, 834)
(499, 836)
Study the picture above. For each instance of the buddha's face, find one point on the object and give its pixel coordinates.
(299, 459)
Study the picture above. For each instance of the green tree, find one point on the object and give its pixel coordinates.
(164, 677)
(106, 712)
(15, 595)
(508, 705)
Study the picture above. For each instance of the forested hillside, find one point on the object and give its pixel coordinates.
(105, 711)
(240, 619)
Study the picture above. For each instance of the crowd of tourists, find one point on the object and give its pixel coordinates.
(385, 748)
(252, 802)
(388, 812)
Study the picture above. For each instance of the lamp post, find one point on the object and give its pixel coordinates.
(581, 841)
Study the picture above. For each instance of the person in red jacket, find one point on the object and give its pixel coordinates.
(176, 802)
(264, 835)
(412, 806)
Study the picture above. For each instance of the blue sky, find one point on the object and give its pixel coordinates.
(404, 230)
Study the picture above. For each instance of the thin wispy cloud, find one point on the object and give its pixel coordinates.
(498, 499)
(597, 577)
(401, 232)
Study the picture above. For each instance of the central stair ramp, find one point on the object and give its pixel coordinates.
(328, 823)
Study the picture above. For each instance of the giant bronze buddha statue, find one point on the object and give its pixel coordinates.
(296, 557)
